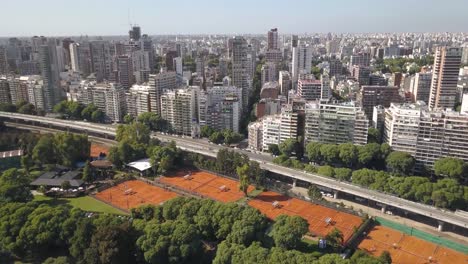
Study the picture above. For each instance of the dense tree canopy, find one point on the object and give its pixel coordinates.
(400, 163)
(451, 168)
(288, 231)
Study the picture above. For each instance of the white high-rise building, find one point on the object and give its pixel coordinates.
(425, 134)
(335, 123)
(179, 108)
(160, 83)
(108, 97)
(301, 60)
(138, 100)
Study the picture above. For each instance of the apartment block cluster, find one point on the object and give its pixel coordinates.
(303, 107)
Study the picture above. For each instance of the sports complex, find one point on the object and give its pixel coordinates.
(406, 245)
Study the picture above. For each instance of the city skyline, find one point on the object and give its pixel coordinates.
(109, 18)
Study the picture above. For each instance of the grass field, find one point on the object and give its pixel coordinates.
(85, 203)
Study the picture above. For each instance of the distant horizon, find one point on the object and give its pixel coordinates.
(240, 34)
(210, 17)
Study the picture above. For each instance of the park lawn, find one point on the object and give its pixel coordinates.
(85, 203)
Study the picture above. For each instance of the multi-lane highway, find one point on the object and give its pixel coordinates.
(202, 146)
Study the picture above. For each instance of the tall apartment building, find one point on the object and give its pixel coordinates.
(101, 61)
(160, 83)
(336, 66)
(401, 126)
(36, 92)
(309, 89)
(335, 123)
(219, 107)
(284, 82)
(51, 64)
(443, 92)
(124, 67)
(288, 123)
(361, 74)
(19, 88)
(269, 72)
(241, 77)
(178, 107)
(256, 135)
(325, 92)
(425, 134)
(141, 66)
(108, 97)
(5, 97)
(271, 127)
(301, 60)
(420, 87)
(138, 100)
(360, 59)
(3, 60)
(272, 39)
(371, 96)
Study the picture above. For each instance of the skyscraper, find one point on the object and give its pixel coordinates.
(301, 60)
(273, 39)
(159, 83)
(240, 75)
(421, 87)
(101, 63)
(124, 65)
(49, 61)
(135, 33)
(3, 61)
(445, 77)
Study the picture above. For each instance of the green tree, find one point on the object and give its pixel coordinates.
(14, 187)
(98, 116)
(87, 173)
(87, 112)
(369, 154)
(57, 260)
(287, 231)
(231, 137)
(314, 193)
(343, 174)
(44, 151)
(335, 237)
(400, 163)
(206, 131)
(7, 107)
(274, 149)
(374, 136)
(385, 258)
(26, 163)
(289, 146)
(450, 167)
(330, 153)
(348, 154)
(313, 152)
(111, 244)
(244, 180)
(326, 171)
(128, 119)
(27, 109)
(136, 132)
(216, 137)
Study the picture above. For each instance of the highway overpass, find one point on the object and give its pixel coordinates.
(202, 146)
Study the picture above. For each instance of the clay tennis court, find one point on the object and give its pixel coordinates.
(206, 184)
(96, 149)
(408, 249)
(321, 219)
(131, 194)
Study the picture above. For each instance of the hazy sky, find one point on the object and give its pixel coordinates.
(110, 17)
